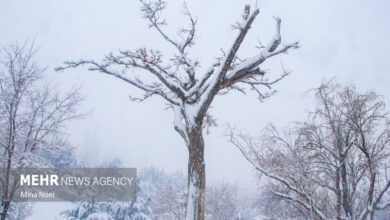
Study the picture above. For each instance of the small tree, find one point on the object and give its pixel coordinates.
(31, 119)
(188, 92)
(333, 166)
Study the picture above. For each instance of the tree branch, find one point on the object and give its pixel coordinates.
(150, 89)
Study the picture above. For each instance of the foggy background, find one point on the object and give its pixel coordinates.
(343, 39)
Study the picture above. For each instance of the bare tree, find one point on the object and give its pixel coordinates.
(188, 92)
(226, 201)
(332, 166)
(31, 117)
(222, 201)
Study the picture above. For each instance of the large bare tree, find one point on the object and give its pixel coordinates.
(334, 165)
(32, 116)
(186, 90)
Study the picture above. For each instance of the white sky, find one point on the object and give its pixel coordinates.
(346, 39)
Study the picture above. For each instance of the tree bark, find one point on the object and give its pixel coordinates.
(196, 175)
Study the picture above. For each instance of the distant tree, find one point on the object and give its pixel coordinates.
(60, 154)
(32, 116)
(221, 201)
(160, 196)
(225, 201)
(188, 92)
(332, 166)
(167, 193)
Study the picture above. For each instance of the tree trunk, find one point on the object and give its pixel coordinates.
(6, 205)
(344, 182)
(338, 194)
(196, 175)
(7, 196)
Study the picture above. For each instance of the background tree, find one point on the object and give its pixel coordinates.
(221, 201)
(167, 192)
(32, 116)
(335, 164)
(226, 201)
(185, 89)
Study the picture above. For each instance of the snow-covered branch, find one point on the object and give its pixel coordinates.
(179, 124)
(375, 204)
(247, 148)
(150, 89)
(224, 75)
(152, 11)
(214, 84)
(307, 206)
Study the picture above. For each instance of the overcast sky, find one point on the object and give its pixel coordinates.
(348, 40)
